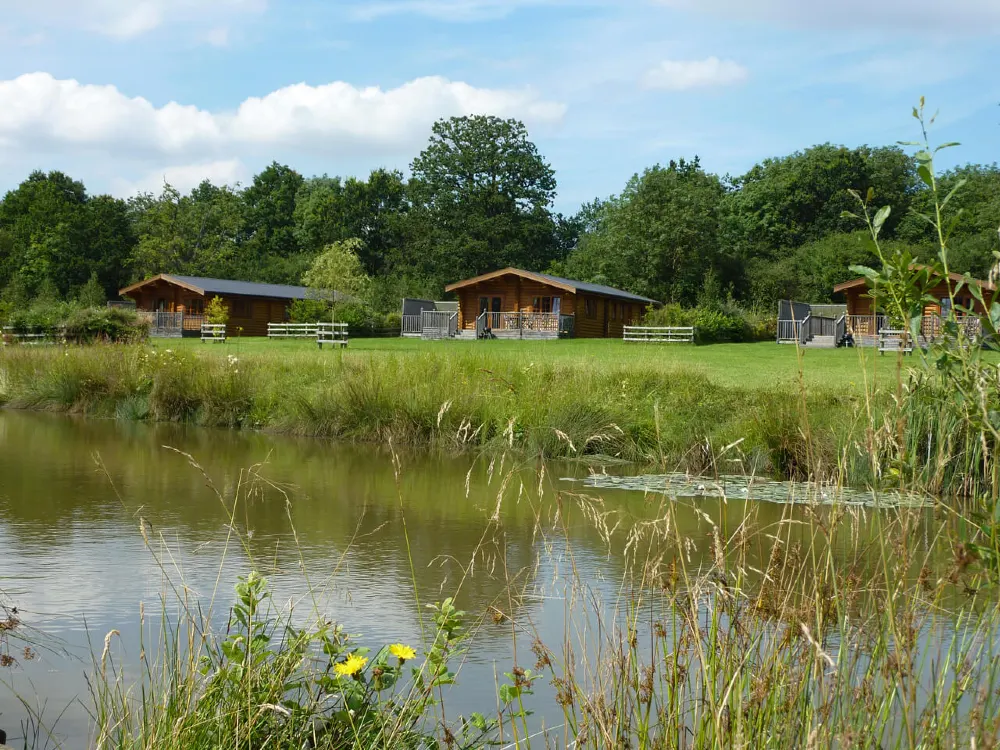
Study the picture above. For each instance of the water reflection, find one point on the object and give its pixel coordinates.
(74, 493)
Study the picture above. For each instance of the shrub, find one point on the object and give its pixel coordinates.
(716, 323)
(309, 311)
(216, 312)
(86, 325)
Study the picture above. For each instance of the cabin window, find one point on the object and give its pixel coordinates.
(242, 308)
(196, 306)
(490, 304)
(541, 304)
(614, 311)
(590, 304)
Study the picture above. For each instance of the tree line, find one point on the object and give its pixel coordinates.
(479, 197)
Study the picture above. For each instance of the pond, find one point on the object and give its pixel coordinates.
(348, 531)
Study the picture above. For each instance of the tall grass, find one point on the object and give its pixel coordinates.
(456, 400)
(839, 627)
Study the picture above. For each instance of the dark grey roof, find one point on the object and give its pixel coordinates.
(607, 291)
(243, 288)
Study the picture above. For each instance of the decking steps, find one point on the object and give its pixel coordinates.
(822, 342)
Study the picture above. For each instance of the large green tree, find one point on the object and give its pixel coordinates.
(658, 238)
(196, 234)
(329, 210)
(783, 203)
(482, 198)
(270, 250)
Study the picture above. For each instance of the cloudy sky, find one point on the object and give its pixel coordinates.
(126, 93)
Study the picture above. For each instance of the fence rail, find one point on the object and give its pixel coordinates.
(292, 330)
(34, 336)
(660, 334)
(522, 324)
(333, 334)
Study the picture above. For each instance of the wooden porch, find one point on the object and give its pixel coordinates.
(432, 324)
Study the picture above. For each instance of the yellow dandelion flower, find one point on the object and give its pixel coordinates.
(401, 652)
(351, 666)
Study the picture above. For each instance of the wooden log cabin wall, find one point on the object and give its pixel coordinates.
(598, 311)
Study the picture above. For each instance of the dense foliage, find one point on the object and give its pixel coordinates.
(480, 197)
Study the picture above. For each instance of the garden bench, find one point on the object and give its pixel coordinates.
(894, 340)
(334, 334)
(214, 332)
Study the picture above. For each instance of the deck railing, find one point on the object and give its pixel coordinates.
(412, 325)
(436, 324)
(524, 323)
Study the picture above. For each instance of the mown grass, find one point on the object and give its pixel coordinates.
(761, 365)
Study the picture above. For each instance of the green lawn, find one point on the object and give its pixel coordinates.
(762, 365)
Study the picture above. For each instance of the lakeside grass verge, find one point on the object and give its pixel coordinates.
(462, 398)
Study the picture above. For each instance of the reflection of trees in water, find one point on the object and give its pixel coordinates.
(349, 501)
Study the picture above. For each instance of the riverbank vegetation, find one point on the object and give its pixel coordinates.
(623, 403)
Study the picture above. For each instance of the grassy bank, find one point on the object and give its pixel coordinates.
(662, 406)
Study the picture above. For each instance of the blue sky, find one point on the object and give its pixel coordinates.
(125, 93)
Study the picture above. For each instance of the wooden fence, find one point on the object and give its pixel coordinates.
(660, 334)
(34, 336)
(292, 330)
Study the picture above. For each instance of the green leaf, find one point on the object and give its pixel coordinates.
(995, 315)
(923, 157)
(926, 176)
(958, 186)
(868, 273)
(881, 216)
(950, 144)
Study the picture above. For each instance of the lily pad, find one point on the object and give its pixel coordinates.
(756, 489)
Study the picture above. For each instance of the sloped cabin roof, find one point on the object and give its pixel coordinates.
(206, 287)
(569, 285)
(954, 277)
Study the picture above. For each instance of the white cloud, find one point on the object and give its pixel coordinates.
(64, 121)
(128, 18)
(218, 37)
(185, 177)
(931, 16)
(683, 75)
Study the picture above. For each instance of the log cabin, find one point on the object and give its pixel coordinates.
(176, 304)
(513, 303)
(865, 315)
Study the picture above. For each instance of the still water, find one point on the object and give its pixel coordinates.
(330, 519)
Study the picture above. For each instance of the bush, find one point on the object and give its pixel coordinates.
(309, 311)
(716, 323)
(80, 324)
(216, 312)
(86, 325)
